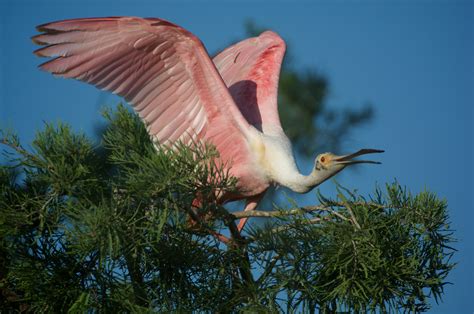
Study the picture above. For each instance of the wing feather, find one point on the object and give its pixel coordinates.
(160, 68)
(251, 70)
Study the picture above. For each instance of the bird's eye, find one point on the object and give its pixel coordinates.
(323, 159)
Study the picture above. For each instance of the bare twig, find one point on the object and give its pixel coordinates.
(286, 213)
(303, 210)
(15, 147)
(306, 222)
(353, 218)
(279, 213)
(335, 213)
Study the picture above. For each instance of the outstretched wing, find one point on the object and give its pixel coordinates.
(251, 69)
(161, 69)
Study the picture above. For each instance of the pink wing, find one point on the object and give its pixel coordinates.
(160, 68)
(251, 69)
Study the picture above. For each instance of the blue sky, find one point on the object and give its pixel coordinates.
(412, 60)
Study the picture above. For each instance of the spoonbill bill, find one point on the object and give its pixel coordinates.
(165, 73)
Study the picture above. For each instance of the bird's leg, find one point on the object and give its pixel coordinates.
(251, 204)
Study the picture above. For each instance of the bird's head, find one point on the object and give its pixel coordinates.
(326, 165)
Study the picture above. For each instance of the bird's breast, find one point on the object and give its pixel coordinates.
(259, 150)
(274, 157)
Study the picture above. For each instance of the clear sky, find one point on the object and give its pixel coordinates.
(412, 60)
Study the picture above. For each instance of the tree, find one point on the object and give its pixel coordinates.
(110, 227)
(106, 228)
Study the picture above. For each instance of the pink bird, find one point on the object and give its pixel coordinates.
(165, 73)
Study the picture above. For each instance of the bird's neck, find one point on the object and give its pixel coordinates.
(275, 156)
(303, 183)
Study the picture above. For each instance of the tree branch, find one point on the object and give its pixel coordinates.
(289, 226)
(17, 147)
(279, 213)
(303, 210)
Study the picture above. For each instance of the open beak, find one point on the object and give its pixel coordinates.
(349, 159)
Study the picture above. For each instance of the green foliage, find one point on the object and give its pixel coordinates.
(388, 253)
(106, 228)
(79, 233)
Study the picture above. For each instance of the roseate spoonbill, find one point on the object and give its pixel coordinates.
(165, 73)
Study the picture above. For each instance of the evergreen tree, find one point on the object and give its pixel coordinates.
(111, 228)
